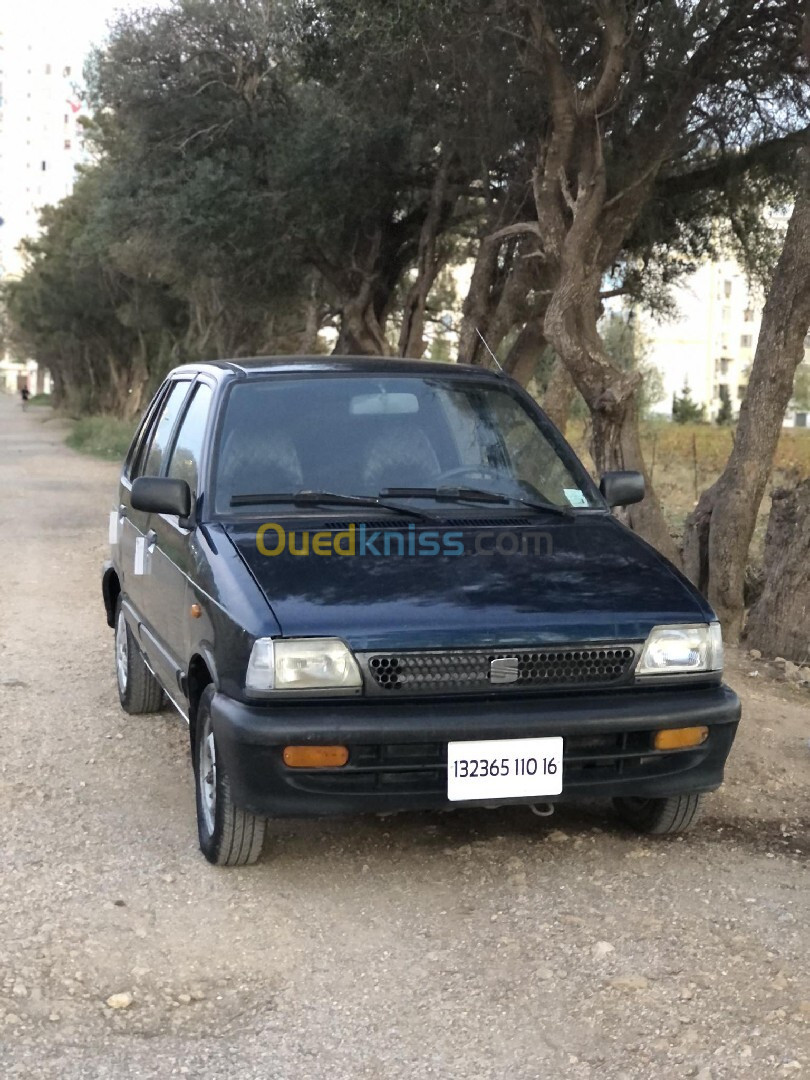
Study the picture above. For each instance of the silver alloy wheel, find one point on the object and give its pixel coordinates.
(208, 776)
(121, 652)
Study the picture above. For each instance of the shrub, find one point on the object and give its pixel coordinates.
(102, 436)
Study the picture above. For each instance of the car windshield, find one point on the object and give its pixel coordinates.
(414, 439)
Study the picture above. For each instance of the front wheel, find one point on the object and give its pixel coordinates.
(229, 835)
(661, 817)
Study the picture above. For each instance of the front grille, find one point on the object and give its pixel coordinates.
(465, 670)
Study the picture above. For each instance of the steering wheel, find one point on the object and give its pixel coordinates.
(482, 472)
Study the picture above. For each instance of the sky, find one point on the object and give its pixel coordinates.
(72, 27)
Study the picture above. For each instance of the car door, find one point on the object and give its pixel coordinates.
(122, 529)
(135, 525)
(168, 556)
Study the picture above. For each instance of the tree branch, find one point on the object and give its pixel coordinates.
(730, 166)
(614, 45)
(520, 228)
(556, 153)
(654, 134)
(565, 189)
(620, 195)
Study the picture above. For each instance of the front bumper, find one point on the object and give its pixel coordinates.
(398, 750)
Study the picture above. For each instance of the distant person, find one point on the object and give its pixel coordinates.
(25, 394)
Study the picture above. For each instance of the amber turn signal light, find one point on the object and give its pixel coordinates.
(315, 757)
(680, 738)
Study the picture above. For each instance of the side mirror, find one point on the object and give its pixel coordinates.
(161, 495)
(622, 488)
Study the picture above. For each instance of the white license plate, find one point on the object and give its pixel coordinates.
(504, 768)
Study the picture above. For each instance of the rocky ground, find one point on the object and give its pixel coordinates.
(464, 945)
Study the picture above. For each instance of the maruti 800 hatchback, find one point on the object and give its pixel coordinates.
(377, 585)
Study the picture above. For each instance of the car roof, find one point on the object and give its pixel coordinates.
(302, 365)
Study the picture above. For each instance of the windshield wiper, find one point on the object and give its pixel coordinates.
(325, 498)
(467, 494)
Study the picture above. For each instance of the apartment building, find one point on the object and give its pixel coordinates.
(40, 150)
(710, 345)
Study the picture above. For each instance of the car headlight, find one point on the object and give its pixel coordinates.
(301, 664)
(671, 650)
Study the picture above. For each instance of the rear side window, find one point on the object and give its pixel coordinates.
(184, 463)
(151, 460)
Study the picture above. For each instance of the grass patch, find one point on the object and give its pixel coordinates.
(40, 399)
(102, 436)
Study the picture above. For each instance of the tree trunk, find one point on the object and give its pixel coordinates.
(364, 292)
(718, 532)
(779, 622)
(478, 303)
(524, 356)
(58, 391)
(428, 264)
(610, 393)
(361, 333)
(583, 221)
(495, 262)
(309, 338)
(559, 395)
(126, 385)
(498, 300)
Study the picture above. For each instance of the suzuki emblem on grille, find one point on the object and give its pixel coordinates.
(504, 669)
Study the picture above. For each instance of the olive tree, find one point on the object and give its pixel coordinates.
(638, 97)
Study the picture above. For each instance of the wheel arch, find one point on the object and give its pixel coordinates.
(110, 590)
(201, 673)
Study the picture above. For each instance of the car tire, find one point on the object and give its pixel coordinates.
(229, 835)
(138, 689)
(661, 817)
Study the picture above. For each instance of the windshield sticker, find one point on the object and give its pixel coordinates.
(575, 496)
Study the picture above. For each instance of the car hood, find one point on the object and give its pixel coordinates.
(590, 579)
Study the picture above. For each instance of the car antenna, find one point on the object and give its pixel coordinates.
(491, 353)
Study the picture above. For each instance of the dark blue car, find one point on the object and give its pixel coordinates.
(376, 585)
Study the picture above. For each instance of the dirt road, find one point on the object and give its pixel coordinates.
(466, 945)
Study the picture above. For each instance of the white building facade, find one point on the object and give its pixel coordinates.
(709, 347)
(40, 150)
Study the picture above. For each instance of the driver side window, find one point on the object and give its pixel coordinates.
(184, 463)
(151, 457)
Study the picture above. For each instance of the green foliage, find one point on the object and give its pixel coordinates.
(801, 387)
(106, 437)
(265, 168)
(104, 335)
(684, 409)
(725, 413)
(257, 142)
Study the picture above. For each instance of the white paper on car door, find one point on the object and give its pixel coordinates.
(140, 555)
